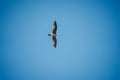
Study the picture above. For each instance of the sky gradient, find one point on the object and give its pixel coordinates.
(88, 45)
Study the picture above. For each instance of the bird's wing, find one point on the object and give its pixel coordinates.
(54, 28)
(54, 41)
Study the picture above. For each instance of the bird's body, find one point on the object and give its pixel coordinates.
(54, 34)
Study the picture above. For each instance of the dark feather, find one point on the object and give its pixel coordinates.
(54, 41)
(55, 27)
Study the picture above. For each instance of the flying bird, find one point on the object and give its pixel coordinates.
(53, 34)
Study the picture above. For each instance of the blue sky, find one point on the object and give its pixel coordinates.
(88, 45)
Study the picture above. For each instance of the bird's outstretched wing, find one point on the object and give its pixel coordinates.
(54, 41)
(54, 28)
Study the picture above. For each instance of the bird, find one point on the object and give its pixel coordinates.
(54, 34)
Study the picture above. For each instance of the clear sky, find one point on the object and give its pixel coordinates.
(88, 45)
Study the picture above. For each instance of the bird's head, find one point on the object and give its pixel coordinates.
(49, 34)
